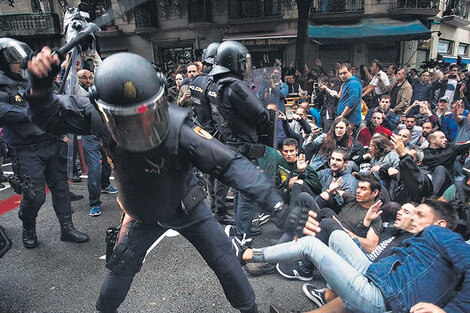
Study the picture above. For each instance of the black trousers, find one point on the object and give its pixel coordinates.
(207, 236)
(46, 164)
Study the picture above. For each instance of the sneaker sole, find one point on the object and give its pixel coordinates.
(298, 277)
(311, 297)
(95, 214)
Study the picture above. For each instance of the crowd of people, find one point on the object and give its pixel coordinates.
(372, 162)
(379, 154)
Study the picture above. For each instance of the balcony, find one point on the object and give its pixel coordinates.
(456, 13)
(336, 10)
(414, 8)
(29, 24)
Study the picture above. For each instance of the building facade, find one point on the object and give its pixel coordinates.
(171, 32)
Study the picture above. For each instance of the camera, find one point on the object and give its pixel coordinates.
(432, 63)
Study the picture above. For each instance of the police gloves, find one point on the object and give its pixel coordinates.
(291, 220)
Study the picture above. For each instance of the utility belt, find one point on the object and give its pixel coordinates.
(32, 146)
(251, 151)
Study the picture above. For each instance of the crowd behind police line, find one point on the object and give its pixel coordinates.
(426, 156)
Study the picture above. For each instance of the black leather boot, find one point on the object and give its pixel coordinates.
(70, 233)
(253, 309)
(29, 235)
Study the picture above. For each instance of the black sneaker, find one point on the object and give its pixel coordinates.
(258, 269)
(75, 179)
(260, 219)
(230, 231)
(316, 295)
(255, 230)
(294, 271)
(239, 246)
(75, 197)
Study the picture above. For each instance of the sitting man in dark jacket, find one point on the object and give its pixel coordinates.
(439, 157)
(294, 175)
(411, 182)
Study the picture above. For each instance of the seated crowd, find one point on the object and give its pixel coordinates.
(391, 196)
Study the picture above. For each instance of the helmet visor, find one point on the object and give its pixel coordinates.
(15, 52)
(140, 127)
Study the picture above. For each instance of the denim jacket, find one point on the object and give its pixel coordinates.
(425, 268)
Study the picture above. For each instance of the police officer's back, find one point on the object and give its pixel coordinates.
(242, 112)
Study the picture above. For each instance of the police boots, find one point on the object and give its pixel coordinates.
(253, 309)
(29, 234)
(70, 233)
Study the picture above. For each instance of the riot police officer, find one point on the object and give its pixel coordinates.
(153, 147)
(203, 112)
(242, 118)
(37, 157)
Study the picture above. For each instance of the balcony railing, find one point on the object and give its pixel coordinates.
(29, 24)
(414, 8)
(415, 4)
(337, 6)
(459, 8)
(254, 8)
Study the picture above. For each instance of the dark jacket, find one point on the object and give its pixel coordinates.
(17, 129)
(413, 184)
(443, 156)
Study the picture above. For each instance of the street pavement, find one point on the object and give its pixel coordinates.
(65, 277)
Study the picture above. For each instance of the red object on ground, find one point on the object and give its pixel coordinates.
(12, 203)
(9, 204)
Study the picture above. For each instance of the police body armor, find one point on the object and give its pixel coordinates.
(236, 96)
(12, 91)
(199, 86)
(173, 172)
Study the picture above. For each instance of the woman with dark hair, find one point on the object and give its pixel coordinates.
(382, 157)
(318, 150)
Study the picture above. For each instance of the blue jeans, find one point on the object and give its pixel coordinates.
(346, 277)
(246, 211)
(91, 149)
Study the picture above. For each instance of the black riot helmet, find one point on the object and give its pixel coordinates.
(209, 53)
(131, 97)
(12, 51)
(231, 57)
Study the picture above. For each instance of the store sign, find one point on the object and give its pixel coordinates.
(265, 42)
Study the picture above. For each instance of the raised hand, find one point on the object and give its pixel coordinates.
(373, 213)
(301, 163)
(398, 145)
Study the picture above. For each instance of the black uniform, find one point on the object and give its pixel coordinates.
(199, 87)
(241, 119)
(145, 181)
(35, 154)
(202, 109)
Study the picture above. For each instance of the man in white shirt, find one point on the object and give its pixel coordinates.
(378, 75)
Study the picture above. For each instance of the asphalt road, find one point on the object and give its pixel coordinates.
(65, 277)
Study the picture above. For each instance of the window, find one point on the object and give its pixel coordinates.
(172, 58)
(445, 46)
(254, 8)
(463, 49)
(145, 15)
(199, 11)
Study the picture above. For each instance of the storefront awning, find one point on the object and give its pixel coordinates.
(385, 29)
(290, 33)
(452, 60)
